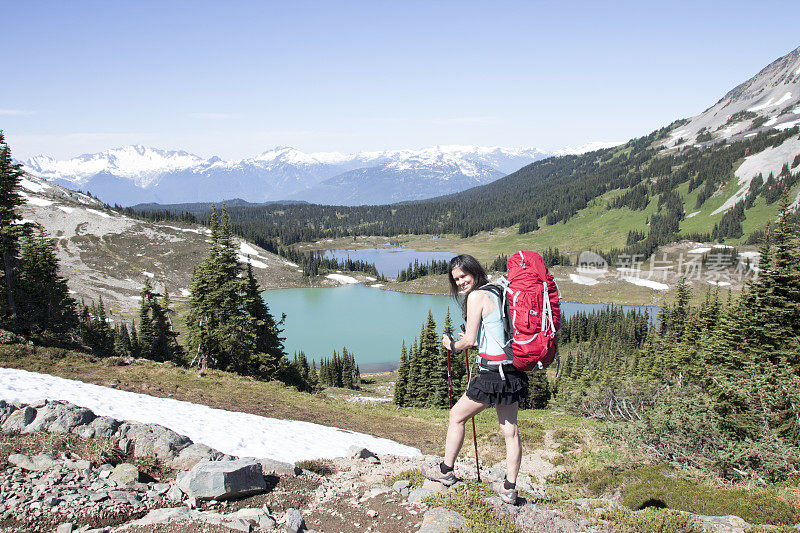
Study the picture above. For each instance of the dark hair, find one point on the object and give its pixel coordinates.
(471, 266)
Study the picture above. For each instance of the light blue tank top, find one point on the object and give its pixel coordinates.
(490, 331)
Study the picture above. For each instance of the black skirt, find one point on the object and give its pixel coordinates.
(490, 388)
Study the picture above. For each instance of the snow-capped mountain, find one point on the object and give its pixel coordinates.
(138, 174)
(770, 99)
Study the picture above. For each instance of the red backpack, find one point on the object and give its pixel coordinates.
(531, 311)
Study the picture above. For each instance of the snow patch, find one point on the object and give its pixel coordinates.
(377, 285)
(747, 255)
(719, 283)
(769, 160)
(722, 246)
(230, 432)
(583, 280)
(33, 187)
(368, 399)
(148, 274)
(186, 293)
(66, 209)
(34, 200)
(646, 283)
(98, 213)
(255, 262)
(769, 103)
(246, 249)
(690, 215)
(699, 251)
(289, 263)
(341, 278)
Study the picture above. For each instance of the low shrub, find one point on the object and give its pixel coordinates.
(323, 467)
(469, 500)
(413, 475)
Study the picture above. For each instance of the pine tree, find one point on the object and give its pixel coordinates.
(10, 234)
(222, 333)
(44, 300)
(269, 343)
(402, 377)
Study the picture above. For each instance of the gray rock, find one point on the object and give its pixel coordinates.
(278, 468)
(402, 486)
(294, 521)
(5, 410)
(59, 417)
(416, 495)
(440, 520)
(163, 516)
(722, 524)
(37, 463)
(157, 441)
(193, 454)
(161, 488)
(19, 419)
(84, 431)
(356, 452)
(105, 426)
(237, 524)
(174, 494)
(216, 480)
(125, 474)
(256, 517)
(66, 527)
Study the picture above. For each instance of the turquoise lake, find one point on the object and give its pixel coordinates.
(372, 323)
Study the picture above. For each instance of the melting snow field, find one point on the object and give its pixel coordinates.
(240, 434)
(341, 278)
(583, 280)
(646, 283)
(766, 161)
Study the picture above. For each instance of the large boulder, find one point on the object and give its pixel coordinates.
(37, 463)
(124, 474)
(441, 520)
(59, 417)
(156, 441)
(193, 454)
(278, 468)
(217, 480)
(105, 426)
(5, 410)
(19, 419)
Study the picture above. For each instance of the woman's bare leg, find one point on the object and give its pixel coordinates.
(507, 418)
(463, 410)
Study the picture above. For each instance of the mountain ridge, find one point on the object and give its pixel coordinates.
(135, 174)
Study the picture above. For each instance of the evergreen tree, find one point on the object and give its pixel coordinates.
(222, 333)
(44, 302)
(10, 234)
(269, 343)
(402, 377)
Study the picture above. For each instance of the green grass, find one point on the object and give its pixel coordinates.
(469, 500)
(660, 486)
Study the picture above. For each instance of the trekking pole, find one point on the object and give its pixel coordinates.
(474, 435)
(449, 375)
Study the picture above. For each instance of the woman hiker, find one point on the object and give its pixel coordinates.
(502, 387)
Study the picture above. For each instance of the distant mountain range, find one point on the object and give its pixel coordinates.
(138, 174)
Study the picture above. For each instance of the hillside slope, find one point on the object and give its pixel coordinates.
(106, 254)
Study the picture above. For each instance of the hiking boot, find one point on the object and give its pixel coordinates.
(508, 496)
(434, 473)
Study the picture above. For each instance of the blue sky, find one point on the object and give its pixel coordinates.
(236, 78)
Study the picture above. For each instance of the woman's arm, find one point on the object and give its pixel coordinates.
(475, 302)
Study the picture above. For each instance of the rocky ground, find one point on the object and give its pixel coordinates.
(146, 478)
